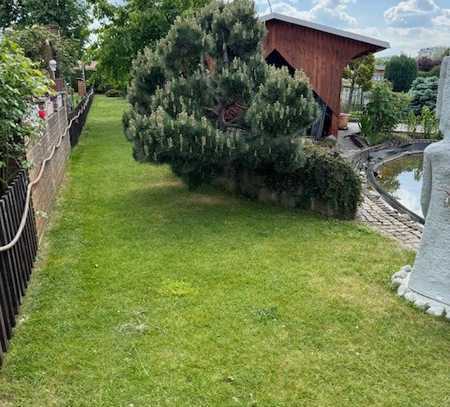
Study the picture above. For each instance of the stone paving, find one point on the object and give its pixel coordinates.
(377, 214)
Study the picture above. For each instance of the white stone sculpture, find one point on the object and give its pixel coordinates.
(427, 284)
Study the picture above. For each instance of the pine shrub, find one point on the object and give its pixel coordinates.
(204, 99)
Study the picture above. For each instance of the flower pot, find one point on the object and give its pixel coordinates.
(343, 121)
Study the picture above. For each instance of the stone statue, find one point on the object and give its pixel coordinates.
(427, 284)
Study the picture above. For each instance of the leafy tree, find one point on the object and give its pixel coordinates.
(401, 72)
(424, 93)
(205, 99)
(20, 83)
(41, 44)
(129, 28)
(9, 12)
(382, 113)
(426, 64)
(71, 17)
(360, 73)
(434, 72)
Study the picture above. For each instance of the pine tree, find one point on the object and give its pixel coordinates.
(424, 93)
(205, 99)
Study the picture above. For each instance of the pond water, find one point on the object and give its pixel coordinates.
(402, 178)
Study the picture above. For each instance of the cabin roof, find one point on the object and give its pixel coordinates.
(324, 28)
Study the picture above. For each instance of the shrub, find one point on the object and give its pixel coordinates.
(424, 93)
(205, 98)
(401, 71)
(430, 123)
(355, 116)
(20, 83)
(325, 178)
(412, 121)
(113, 93)
(101, 84)
(382, 113)
(206, 103)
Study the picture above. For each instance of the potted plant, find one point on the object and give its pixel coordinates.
(343, 121)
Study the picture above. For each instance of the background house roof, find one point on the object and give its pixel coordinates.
(324, 28)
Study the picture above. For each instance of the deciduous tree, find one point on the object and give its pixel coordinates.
(129, 28)
(360, 73)
(41, 45)
(71, 17)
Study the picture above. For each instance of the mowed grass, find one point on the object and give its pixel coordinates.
(151, 295)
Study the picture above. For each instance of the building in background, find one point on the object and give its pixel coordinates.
(322, 53)
(378, 75)
(433, 53)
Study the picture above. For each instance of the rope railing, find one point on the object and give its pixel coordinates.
(24, 217)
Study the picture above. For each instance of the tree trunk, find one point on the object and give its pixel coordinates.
(350, 96)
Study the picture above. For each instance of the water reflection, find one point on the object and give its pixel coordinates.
(402, 178)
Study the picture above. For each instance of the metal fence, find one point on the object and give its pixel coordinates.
(80, 114)
(359, 99)
(18, 233)
(16, 263)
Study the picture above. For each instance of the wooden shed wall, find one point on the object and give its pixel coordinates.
(322, 56)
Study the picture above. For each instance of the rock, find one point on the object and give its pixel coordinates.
(422, 304)
(436, 310)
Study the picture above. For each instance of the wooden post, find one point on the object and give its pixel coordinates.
(81, 88)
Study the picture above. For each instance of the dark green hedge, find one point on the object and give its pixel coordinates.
(114, 93)
(325, 178)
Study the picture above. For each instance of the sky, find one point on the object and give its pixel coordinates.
(408, 25)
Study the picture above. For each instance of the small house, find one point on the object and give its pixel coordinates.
(322, 53)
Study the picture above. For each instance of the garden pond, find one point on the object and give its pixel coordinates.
(402, 178)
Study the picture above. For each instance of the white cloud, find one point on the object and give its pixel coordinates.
(443, 19)
(417, 13)
(410, 25)
(329, 12)
(415, 24)
(407, 40)
(281, 7)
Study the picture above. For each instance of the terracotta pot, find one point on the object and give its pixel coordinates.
(343, 121)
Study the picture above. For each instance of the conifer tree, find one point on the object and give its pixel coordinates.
(205, 99)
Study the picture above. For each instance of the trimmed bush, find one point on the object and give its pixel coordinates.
(326, 180)
(113, 93)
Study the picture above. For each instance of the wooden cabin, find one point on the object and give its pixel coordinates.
(322, 53)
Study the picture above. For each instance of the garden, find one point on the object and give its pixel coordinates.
(203, 249)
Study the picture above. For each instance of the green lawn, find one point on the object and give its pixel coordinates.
(151, 295)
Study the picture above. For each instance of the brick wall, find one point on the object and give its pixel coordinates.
(44, 193)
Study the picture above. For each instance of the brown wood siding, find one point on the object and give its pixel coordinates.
(322, 56)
